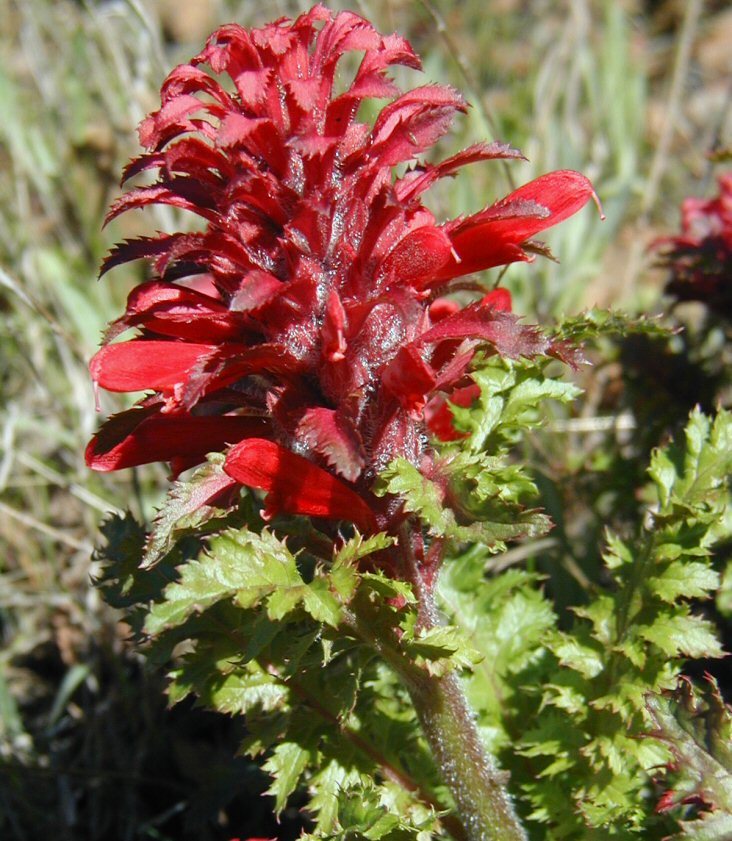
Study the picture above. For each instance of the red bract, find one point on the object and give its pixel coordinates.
(700, 258)
(299, 326)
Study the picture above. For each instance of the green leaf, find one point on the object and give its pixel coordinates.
(286, 766)
(595, 758)
(697, 474)
(512, 393)
(388, 588)
(505, 618)
(344, 575)
(120, 581)
(422, 496)
(683, 634)
(690, 579)
(724, 595)
(321, 604)
(239, 565)
(442, 643)
(359, 547)
(427, 499)
(585, 659)
(327, 784)
(597, 323)
(247, 688)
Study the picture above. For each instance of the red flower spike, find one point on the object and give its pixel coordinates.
(700, 259)
(298, 325)
(295, 485)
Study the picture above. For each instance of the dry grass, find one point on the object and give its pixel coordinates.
(86, 748)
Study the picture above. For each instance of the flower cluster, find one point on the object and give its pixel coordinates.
(700, 259)
(304, 328)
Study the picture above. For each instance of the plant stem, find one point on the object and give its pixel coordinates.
(484, 806)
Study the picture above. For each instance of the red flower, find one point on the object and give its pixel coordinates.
(300, 323)
(701, 258)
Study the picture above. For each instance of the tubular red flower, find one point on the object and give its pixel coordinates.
(139, 437)
(494, 236)
(295, 485)
(299, 323)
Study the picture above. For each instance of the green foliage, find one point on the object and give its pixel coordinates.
(476, 492)
(599, 323)
(505, 618)
(478, 479)
(264, 632)
(510, 402)
(589, 737)
(311, 646)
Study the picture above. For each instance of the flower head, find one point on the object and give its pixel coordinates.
(302, 329)
(700, 259)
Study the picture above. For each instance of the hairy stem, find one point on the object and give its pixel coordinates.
(468, 770)
(483, 805)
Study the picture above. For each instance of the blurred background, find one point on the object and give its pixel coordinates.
(636, 95)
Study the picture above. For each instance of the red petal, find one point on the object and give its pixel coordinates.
(415, 182)
(256, 289)
(295, 485)
(174, 112)
(174, 194)
(139, 365)
(135, 437)
(180, 312)
(413, 123)
(439, 418)
(185, 79)
(491, 237)
(441, 308)
(135, 249)
(334, 324)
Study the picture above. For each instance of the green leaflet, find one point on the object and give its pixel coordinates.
(694, 478)
(510, 401)
(442, 648)
(598, 323)
(427, 499)
(504, 618)
(249, 568)
(475, 493)
(239, 565)
(285, 765)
